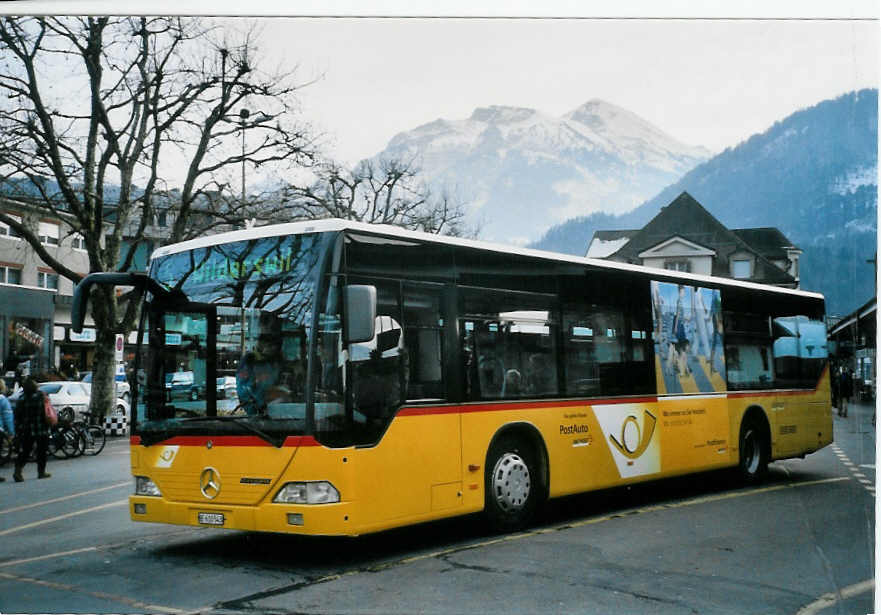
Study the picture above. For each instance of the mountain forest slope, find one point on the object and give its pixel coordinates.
(813, 175)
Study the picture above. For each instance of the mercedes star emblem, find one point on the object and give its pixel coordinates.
(209, 483)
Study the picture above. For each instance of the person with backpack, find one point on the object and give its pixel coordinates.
(31, 428)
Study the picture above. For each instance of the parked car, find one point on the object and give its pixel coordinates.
(226, 387)
(70, 398)
(122, 409)
(123, 388)
(183, 385)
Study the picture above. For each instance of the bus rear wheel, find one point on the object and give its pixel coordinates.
(511, 485)
(753, 453)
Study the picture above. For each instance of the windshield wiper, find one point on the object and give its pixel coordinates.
(275, 441)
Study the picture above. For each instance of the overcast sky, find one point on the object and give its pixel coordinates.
(711, 82)
(705, 82)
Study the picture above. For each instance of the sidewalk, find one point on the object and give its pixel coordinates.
(859, 417)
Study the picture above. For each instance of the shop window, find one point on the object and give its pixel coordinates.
(27, 343)
(49, 233)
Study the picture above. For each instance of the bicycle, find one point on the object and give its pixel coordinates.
(64, 440)
(93, 436)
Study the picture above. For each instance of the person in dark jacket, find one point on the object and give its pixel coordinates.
(845, 390)
(31, 429)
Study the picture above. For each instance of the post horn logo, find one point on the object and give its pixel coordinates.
(633, 440)
(209, 483)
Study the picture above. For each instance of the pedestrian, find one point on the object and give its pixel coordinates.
(835, 383)
(32, 429)
(7, 421)
(845, 390)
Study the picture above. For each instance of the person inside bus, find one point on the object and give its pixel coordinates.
(258, 373)
(513, 383)
(541, 377)
(490, 367)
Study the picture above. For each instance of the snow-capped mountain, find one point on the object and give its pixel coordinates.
(520, 170)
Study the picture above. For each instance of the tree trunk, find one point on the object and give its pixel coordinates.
(104, 310)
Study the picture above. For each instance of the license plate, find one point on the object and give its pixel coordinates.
(211, 518)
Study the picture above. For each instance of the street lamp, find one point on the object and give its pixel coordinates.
(243, 117)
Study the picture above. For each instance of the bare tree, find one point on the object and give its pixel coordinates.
(91, 103)
(387, 191)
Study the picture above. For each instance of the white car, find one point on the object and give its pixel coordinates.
(123, 388)
(71, 396)
(226, 387)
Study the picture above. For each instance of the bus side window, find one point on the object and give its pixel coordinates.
(423, 329)
(377, 369)
(800, 351)
(509, 344)
(606, 351)
(748, 351)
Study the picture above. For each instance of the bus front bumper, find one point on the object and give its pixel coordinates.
(316, 519)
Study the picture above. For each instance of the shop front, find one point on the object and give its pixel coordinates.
(26, 329)
(75, 351)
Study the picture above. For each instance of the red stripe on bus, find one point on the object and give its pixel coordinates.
(529, 405)
(290, 441)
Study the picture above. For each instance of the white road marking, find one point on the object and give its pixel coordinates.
(38, 558)
(136, 604)
(868, 485)
(66, 497)
(61, 517)
(831, 598)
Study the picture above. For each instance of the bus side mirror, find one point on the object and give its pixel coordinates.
(360, 313)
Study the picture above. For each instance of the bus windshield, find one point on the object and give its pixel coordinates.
(229, 344)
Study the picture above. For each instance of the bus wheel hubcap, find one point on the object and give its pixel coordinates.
(511, 482)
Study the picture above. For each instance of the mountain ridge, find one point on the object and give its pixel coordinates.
(505, 160)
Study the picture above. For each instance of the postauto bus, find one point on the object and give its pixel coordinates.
(387, 377)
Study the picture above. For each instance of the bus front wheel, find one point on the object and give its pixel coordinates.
(511, 484)
(753, 453)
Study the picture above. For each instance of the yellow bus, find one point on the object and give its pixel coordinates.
(337, 378)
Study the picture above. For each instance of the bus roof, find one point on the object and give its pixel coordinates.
(385, 230)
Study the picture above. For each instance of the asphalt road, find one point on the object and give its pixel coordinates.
(802, 543)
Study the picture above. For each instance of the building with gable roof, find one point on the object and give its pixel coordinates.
(684, 236)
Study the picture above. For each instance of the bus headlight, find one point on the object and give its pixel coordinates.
(316, 492)
(145, 486)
